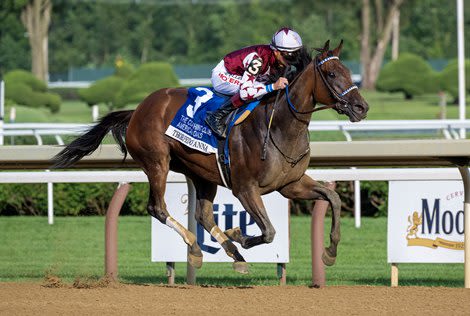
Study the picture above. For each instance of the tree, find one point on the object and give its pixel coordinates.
(36, 17)
(14, 53)
(371, 59)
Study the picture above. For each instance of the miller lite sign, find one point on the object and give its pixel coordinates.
(168, 246)
(425, 221)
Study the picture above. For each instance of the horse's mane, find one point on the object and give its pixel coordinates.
(299, 60)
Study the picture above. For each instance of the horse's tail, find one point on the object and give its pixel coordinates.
(116, 122)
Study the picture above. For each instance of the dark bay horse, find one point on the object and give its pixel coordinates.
(323, 79)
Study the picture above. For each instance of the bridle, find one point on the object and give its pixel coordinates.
(342, 103)
(340, 106)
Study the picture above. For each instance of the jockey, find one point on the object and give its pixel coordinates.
(244, 74)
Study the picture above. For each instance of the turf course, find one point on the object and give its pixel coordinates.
(74, 247)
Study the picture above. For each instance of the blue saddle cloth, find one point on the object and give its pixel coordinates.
(188, 125)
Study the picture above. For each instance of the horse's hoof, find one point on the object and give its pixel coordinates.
(327, 259)
(241, 267)
(195, 261)
(234, 234)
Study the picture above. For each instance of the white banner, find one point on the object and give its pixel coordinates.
(168, 246)
(425, 221)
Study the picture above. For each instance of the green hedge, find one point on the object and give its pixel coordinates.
(27, 78)
(22, 88)
(148, 78)
(124, 71)
(409, 74)
(127, 86)
(66, 93)
(72, 199)
(103, 91)
(449, 81)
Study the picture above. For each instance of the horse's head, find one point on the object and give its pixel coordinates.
(336, 88)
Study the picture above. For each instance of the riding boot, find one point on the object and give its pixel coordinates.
(217, 120)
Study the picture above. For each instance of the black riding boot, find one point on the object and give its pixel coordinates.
(217, 119)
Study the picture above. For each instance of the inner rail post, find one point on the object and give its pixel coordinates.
(466, 209)
(317, 239)
(111, 231)
(192, 227)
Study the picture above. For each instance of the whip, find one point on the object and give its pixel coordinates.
(264, 152)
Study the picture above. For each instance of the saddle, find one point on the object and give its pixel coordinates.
(189, 126)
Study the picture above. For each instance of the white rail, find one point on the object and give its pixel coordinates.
(363, 174)
(449, 128)
(379, 174)
(38, 130)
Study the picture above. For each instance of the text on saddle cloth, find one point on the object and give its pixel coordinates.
(188, 125)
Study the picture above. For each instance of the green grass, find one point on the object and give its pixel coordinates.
(74, 247)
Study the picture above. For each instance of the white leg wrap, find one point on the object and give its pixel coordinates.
(218, 234)
(171, 222)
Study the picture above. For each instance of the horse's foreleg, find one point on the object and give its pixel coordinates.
(308, 189)
(157, 208)
(253, 204)
(205, 216)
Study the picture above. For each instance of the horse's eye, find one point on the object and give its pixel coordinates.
(331, 74)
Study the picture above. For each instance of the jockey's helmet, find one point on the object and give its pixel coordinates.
(286, 40)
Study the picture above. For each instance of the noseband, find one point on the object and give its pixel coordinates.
(342, 103)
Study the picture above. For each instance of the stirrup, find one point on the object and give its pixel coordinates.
(218, 127)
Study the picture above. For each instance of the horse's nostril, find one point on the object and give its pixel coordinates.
(358, 108)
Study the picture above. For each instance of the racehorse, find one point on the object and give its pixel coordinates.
(141, 133)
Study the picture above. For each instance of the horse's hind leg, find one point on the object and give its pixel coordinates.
(157, 175)
(205, 192)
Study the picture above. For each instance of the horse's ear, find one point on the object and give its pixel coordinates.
(337, 50)
(325, 47)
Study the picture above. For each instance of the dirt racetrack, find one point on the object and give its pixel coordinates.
(120, 299)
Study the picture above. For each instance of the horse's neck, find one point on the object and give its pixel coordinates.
(289, 129)
(301, 96)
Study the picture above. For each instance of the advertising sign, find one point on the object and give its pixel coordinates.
(168, 246)
(425, 221)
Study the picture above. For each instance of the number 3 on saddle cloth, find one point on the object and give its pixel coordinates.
(189, 127)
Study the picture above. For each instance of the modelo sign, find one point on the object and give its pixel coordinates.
(168, 246)
(425, 221)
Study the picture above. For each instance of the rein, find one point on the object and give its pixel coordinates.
(292, 161)
(336, 95)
